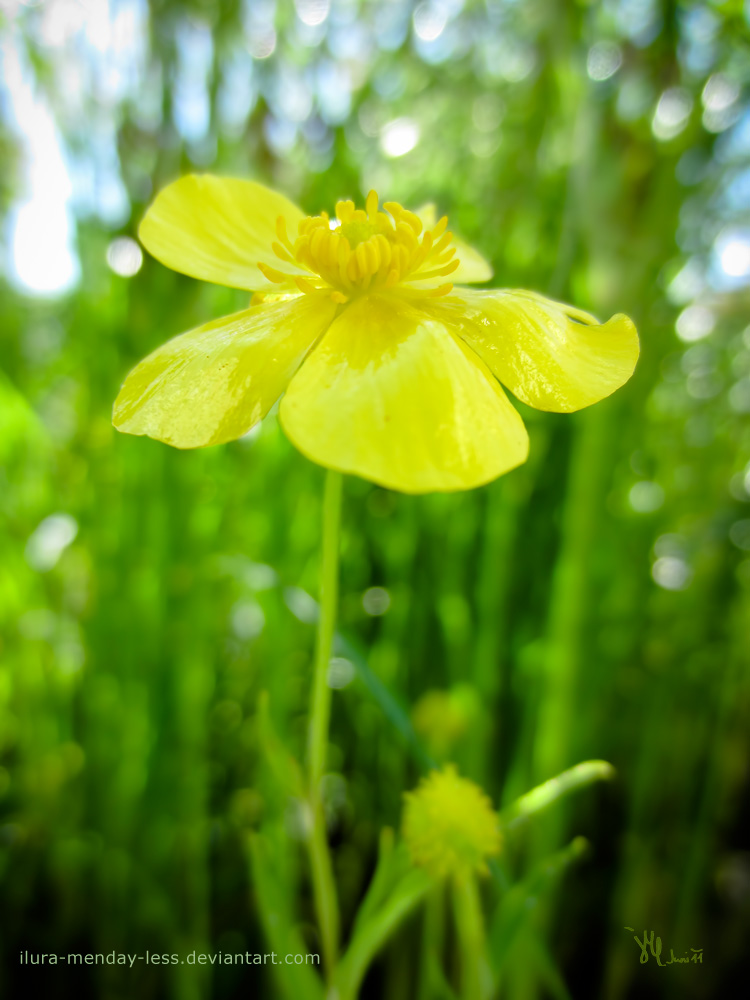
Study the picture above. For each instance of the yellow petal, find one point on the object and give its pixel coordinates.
(473, 266)
(218, 229)
(213, 384)
(549, 355)
(391, 395)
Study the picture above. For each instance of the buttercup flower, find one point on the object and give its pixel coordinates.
(449, 825)
(388, 369)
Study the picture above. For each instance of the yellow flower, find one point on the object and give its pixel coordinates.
(449, 825)
(388, 371)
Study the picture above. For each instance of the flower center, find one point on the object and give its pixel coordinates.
(365, 249)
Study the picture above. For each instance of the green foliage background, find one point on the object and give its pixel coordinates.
(134, 763)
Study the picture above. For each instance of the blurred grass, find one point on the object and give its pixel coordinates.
(133, 775)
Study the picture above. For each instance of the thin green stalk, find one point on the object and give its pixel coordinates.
(324, 889)
(433, 937)
(476, 975)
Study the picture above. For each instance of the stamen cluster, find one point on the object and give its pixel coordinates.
(365, 250)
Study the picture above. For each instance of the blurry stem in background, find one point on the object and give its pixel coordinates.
(492, 591)
(714, 792)
(560, 696)
(476, 975)
(324, 888)
(433, 940)
(321, 693)
(584, 498)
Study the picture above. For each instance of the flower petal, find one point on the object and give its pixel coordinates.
(391, 395)
(214, 383)
(218, 229)
(549, 355)
(473, 266)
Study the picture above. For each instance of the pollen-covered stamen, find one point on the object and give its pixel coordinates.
(282, 234)
(277, 277)
(435, 293)
(282, 253)
(439, 229)
(437, 273)
(364, 250)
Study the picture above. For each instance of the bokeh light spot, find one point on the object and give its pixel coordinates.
(50, 540)
(124, 256)
(672, 113)
(399, 137)
(376, 601)
(604, 60)
(694, 323)
(671, 573)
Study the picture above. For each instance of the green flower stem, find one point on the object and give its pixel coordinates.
(476, 975)
(326, 902)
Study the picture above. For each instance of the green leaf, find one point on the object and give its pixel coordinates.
(390, 864)
(283, 765)
(549, 973)
(544, 795)
(295, 980)
(376, 928)
(519, 903)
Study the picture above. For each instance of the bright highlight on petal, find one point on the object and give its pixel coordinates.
(393, 396)
(549, 355)
(217, 229)
(449, 825)
(214, 383)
